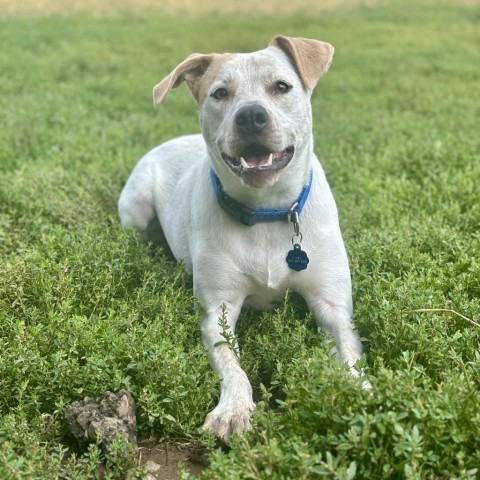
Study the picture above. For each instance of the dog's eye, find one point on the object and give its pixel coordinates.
(282, 87)
(219, 94)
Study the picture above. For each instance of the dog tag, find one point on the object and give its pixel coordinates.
(297, 259)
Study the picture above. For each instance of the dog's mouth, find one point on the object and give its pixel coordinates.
(258, 158)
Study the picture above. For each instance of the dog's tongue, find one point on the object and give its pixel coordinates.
(256, 156)
(257, 160)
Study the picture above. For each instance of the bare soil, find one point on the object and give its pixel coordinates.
(251, 7)
(193, 7)
(162, 459)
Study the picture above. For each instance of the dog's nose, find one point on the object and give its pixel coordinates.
(251, 119)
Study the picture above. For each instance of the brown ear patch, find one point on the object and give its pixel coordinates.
(203, 86)
(311, 58)
(199, 71)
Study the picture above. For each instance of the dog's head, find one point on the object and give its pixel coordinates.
(255, 107)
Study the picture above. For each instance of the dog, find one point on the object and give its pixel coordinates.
(246, 205)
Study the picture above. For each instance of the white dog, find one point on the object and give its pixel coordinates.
(246, 205)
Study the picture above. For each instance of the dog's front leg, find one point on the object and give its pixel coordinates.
(232, 414)
(335, 319)
(331, 306)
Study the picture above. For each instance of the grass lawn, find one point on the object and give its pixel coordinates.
(85, 308)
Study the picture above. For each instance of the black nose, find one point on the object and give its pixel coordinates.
(251, 119)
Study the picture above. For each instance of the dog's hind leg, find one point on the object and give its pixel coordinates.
(136, 205)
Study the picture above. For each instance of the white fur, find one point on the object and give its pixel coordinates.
(235, 265)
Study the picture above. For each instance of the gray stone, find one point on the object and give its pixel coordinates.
(103, 418)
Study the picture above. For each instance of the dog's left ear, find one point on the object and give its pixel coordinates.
(311, 58)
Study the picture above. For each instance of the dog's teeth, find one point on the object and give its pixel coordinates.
(243, 163)
(270, 159)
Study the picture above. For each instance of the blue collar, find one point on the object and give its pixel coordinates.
(246, 216)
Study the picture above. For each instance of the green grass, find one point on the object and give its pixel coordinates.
(85, 308)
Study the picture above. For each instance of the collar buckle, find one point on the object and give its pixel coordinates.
(240, 212)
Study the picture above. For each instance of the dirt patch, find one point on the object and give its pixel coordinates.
(105, 7)
(162, 459)
(194, 7)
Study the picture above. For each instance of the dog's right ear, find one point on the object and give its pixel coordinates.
(192, 70)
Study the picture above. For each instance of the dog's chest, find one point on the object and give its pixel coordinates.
(261, 259)
(266, 270)
(266, 288)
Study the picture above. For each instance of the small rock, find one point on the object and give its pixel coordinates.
(105, 418)
(152, 466)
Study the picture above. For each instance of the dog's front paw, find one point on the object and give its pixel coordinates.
(225, 420)
(366, 385)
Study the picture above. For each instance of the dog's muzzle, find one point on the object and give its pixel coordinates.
(255, 161)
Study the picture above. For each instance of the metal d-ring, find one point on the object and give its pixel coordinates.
(299, 236)
(293, 218)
